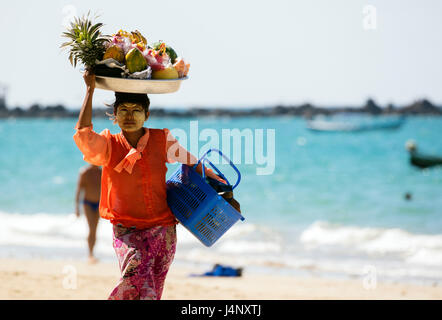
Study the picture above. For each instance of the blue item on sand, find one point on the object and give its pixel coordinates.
(221, 271)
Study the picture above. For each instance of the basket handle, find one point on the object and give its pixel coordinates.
(203, 159)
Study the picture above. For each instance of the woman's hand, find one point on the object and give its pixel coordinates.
(208, 172)
(89, 79)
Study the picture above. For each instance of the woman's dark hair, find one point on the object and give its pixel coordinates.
(122, 97)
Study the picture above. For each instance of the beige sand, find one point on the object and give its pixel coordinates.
(53, 279)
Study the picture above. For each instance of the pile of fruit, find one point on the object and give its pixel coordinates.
(124, 54)
(132, 50)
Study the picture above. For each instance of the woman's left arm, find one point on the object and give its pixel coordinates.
(176, 153)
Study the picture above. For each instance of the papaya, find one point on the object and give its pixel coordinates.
(135, 61)
(114, 52)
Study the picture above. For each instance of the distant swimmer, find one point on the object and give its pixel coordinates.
(411, 146)
(408, 196)
(89, 185)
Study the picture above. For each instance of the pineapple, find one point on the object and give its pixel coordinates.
(86, 42)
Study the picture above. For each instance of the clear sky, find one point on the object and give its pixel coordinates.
(242, 53)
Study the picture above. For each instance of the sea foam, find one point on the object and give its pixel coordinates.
(319, 248)
(371, 241)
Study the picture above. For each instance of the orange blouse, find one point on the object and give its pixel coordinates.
(133, 180)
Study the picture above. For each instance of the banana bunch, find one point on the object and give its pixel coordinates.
(137, 37)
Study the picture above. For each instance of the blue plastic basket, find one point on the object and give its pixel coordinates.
(197, 205)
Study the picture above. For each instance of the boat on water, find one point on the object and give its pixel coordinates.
(354, 123)
(421, 160)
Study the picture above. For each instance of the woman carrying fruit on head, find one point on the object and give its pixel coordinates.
(133, 190)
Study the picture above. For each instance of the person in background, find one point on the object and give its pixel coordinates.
(89, 186)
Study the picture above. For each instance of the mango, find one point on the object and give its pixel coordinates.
(168, 73)
(135, 61)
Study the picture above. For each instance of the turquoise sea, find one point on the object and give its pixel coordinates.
(333, 203)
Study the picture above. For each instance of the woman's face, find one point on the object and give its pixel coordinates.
(131, 116)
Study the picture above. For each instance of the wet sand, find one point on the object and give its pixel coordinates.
(73, 279)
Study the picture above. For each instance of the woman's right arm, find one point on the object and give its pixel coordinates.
(85, 117)
(96, 148)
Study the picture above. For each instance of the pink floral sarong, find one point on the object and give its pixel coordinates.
(144, 257)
